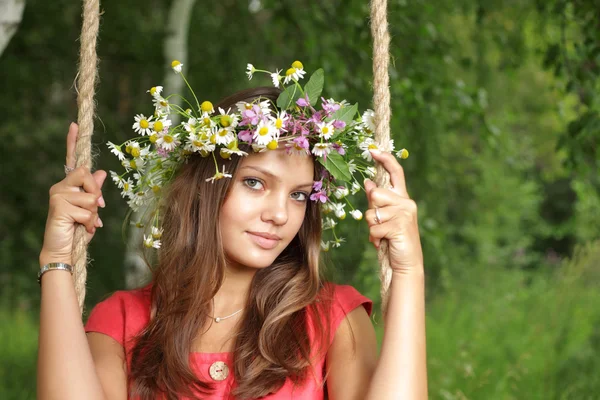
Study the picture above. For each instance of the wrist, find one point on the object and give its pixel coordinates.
(46, 258)
(409, 273)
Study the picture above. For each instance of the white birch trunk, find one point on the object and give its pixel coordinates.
(175, 48)
(11, 13)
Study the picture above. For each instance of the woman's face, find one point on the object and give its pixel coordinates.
(265, 207)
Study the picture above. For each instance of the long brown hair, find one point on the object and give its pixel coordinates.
(273, 343)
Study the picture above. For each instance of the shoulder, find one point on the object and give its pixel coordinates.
(336, 302)
(121, 315)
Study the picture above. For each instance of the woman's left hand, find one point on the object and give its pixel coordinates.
(398, 218)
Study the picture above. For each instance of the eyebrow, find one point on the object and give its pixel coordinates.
(273, 176)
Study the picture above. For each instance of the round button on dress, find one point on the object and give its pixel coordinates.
(219, 371)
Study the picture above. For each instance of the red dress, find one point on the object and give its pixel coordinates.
(125, 313)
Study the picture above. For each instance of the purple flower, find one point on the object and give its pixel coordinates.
(339, 149)
(162, 152)
(245, 136)
(337, 124)
(317, 185)
(329, 106)
(319, 196)
(303, 101)
(302, 142)
(316, 117)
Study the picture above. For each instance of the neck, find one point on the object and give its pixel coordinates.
(233, 293)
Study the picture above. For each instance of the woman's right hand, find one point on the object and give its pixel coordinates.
(70, 205)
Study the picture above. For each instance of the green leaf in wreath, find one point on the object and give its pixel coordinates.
(337, 166)
(345, 114)
(288, 97)
(314, 87)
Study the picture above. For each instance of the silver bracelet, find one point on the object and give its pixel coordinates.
(52, 267)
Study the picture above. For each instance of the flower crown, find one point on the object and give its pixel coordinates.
(334, 133)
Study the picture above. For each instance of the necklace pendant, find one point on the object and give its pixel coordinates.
(217, 320)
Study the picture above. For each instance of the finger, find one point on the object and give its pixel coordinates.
(81, 177)
(393, 167)
(71, 144)
(99, 177)
(81, 199)
(83, 217)
(369, 186)
(380, 197)
(385, 214)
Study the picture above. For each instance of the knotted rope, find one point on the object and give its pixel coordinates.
(381, 104)
(86, 85)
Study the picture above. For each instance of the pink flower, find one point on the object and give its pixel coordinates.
(245, 136)
(319, 196)
(337, 124)
(303, 101)
(339, 149)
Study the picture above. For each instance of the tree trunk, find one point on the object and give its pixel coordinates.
(175, 48)
(11, 13)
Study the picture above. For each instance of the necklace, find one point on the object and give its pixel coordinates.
(219, 319)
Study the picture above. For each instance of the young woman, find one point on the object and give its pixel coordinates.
(237, 307)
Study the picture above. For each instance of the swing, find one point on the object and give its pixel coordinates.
(86, 81)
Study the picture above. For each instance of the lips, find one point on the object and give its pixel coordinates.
(266, 235)
(264, 240)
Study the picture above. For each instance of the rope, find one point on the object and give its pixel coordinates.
(381, 100)
(86, 84)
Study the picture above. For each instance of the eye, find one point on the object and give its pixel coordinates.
(302, 196)
(253, 183)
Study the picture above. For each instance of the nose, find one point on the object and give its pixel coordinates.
(275, 210)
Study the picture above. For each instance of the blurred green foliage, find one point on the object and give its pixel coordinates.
(496, 101)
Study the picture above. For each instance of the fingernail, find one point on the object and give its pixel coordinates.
(100, 222)
(101, 202)
(375, 151)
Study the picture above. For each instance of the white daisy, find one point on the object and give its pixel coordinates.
(234, 150)
(190, 125)
(155, 91)
(351, 166)
(367, 145)
(338, 242)
(328, 222)
(219, 175)
(157, 232)
(167, 141)
(356, 214)
(338, 210)
(177, 66)
(325, 130)
(321, 149)
(116, 179)
(161, 105)
(250, 70)
(355, 188)
(265, 132)
(265, 107)
(341, 192)
(279, 120)
(116, 150)
(368, 119)
(276, 78)
(370, 171)
(294, 73)
(227, 120)
(223, 136)
(127, 186)
(161, 125)
(150, 243)
(243, 106)
(325, 246)
(142, 124)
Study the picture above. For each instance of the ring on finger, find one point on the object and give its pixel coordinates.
(68, 169)
(377, 216)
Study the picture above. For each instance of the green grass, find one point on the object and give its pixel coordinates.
(18, 353)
